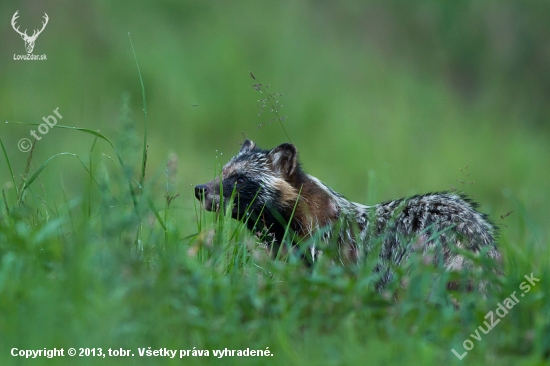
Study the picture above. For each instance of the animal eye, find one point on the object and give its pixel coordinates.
(240, 180)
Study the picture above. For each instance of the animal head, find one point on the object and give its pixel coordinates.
(29, 40)
(260, 180)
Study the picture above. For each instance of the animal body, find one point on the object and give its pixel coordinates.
(272, 193)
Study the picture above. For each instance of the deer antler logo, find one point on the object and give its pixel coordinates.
(29, 40)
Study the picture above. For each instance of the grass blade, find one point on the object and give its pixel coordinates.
(99, 135)
(35, 175)
(144, 155)
(9, 166)
(156, 213)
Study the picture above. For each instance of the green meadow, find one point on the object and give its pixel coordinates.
(105, 250)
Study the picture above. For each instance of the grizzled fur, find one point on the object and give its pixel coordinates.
(272, 189)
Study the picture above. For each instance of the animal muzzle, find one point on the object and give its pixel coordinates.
(201, 191)
(205, 193)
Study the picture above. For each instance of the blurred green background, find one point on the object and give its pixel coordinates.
(382, 99)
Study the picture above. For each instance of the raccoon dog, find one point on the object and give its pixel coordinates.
(272, 193)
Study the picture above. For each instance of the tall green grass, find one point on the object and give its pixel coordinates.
(121, 266)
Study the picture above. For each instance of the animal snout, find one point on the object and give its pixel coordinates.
(201, 191)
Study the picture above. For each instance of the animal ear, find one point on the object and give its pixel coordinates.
(284, 159)
(247, 146)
